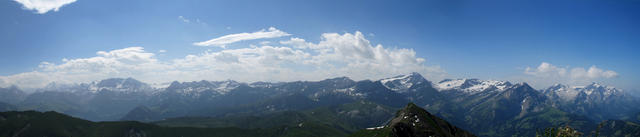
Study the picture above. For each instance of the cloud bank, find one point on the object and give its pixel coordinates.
(44, 6)
(232, 38)
(548, 70)
(547, 73)
(348, 54)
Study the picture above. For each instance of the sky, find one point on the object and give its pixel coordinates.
(541, 42)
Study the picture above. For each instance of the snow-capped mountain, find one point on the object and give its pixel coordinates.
(106, 99)
(265, 84)
(472, 86)
(403, 83)
(562, 92)
(195, 88)
(111, 98)
(121, 85)
(600, 89)
(593, 100)
(592, 91)
(111, 84)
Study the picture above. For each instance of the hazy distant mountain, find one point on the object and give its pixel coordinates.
(11, 95)
(6, 107)
(111, 84)
(635, 93)
(64, 102)
(594, 100)
(196, 89)
(108, 99)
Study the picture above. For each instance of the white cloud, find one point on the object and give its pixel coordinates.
(162, 51)
(196, 20)
(592, 73)
(335, 55)
(546, 70)
(44, 6)
(232, 38)
(297, 43)
(132, 61)
(183, 19)
(547, 74)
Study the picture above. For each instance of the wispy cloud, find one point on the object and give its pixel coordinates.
(188, 21)
(44, 6)
(183, 19)
(348, 54)
(232, 38)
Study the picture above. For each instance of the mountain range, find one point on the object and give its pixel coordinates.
(482, 107)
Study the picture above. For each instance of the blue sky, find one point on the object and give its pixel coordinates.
(466, 39)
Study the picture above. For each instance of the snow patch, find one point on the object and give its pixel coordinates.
(567, 93)
(375, 128)
(403, 82)
(472, 86)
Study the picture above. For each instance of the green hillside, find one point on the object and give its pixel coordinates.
(619, 128)
(338, 121)
(53, 124)
(332, 120)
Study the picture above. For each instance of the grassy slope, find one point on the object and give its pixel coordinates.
(32, 123)
(619, 128)
(339, 120)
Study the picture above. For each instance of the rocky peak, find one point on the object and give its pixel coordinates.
(340, 80)
(600, 89)
(174, 84)
(563, 92)
(557, 87)
(402, 83)
(194, 88)
(120, 84)
(413, 121)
